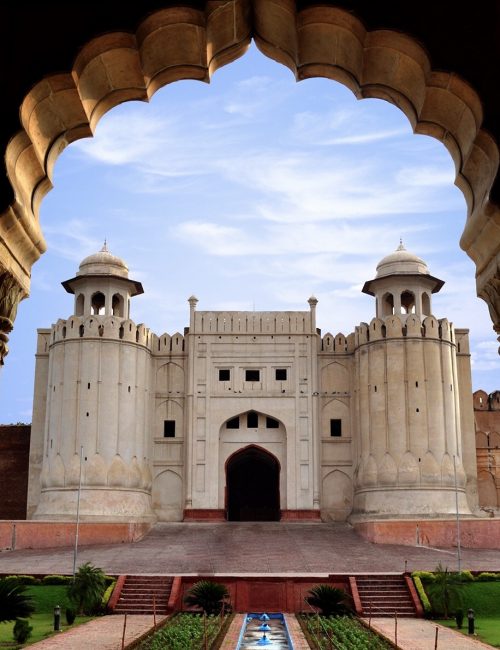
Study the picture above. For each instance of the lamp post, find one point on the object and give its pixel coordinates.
(458, 516)
(75, 552)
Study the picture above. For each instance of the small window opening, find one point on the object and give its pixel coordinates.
(417, 410)
(224, 374)
(375, 388)
(121, 331)
(252, 375)
(271, 423)
(64, 332)
(252, 420)
(336, 428)
(129, 389)
(416, 384)
(80, 305)
(234, 423)
(281, 374)
(408, 302)
(88, 386)
(87, 414)
(117, 305)
(168, 428)
(98, 304)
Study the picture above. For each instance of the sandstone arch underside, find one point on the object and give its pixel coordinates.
(191, 42)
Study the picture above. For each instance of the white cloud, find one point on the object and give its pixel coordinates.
(426, 176)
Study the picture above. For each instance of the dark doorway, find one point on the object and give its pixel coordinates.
(253, 492)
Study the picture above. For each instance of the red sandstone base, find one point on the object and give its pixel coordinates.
(208, 514)
(441, 533)
(52, 534)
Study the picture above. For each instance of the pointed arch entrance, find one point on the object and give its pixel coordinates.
(252, 485)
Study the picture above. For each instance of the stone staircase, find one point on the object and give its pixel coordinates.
(385, 595)
(137, 593)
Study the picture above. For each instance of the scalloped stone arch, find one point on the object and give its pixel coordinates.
(185, 43)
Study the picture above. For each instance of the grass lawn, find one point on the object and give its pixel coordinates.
(487, 629)
(42, 621)
(484, 599)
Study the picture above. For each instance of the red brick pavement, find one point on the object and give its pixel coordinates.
(104, 633)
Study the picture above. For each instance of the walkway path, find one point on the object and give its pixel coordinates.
(247, 547)
(104, 633)
(419, 634)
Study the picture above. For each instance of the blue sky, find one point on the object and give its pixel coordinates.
(251, 192)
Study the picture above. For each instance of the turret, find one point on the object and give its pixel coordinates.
(403, 285)
(102, 286)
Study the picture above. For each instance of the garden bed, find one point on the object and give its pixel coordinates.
(340, 632)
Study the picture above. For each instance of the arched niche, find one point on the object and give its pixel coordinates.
(336, 496)
(167, 495)
(118, 305)
(97, 304)
(182, 42)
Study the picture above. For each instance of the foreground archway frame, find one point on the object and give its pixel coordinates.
(179, 42)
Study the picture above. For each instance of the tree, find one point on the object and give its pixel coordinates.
(329, 600)
(86, 590)
(445, 589)
(207, 595)
(14, 603)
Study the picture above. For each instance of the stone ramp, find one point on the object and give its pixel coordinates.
(247, 548)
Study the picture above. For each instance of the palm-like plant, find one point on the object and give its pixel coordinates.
(445, 589)
(86, 590)
(207, 595)
(14, 603)
(329, 600)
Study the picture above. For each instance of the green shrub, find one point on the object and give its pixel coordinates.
(107, 595)
(56, 580)
(86, 590)
(109, 580)
(425, 576)
(25, 580)
(70, 615)
(486, 576)
(22, 630)
(465, 576)
(422, 595)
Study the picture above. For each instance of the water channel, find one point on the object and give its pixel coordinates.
(262, 630)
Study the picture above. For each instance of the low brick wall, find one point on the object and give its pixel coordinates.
(441, 533)
(56, 534)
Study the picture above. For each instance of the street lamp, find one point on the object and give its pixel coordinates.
(75, 552)
(458, 516)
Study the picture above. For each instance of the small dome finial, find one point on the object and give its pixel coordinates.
(104, 248)
(401, 246)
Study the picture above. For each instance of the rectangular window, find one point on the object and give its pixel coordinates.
(271, 423)
(224, 374)
(252, 420)
(280, 374)
(252, 375)
(336, 428)
(169, 429)
(233, 424)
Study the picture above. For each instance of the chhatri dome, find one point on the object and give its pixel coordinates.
(401, 262)
(103, 263)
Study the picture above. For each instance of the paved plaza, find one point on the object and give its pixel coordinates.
(252, 548)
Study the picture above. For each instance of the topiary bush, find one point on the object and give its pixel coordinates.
(425, 576)
(107, 595)
(423, 596)
(70, 615)
(24, 580)
(56, 580)
(22, 630)
(486, 576)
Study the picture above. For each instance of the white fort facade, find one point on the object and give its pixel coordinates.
(252, 415)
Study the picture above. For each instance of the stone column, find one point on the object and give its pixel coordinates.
(11, 294)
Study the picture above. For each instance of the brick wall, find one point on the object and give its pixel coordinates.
(14, 462)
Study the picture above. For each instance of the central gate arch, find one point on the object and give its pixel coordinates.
(252, 485)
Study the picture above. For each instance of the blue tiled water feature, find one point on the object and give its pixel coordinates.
(261, 630)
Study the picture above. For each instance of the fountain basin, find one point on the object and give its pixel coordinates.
(253, 635)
